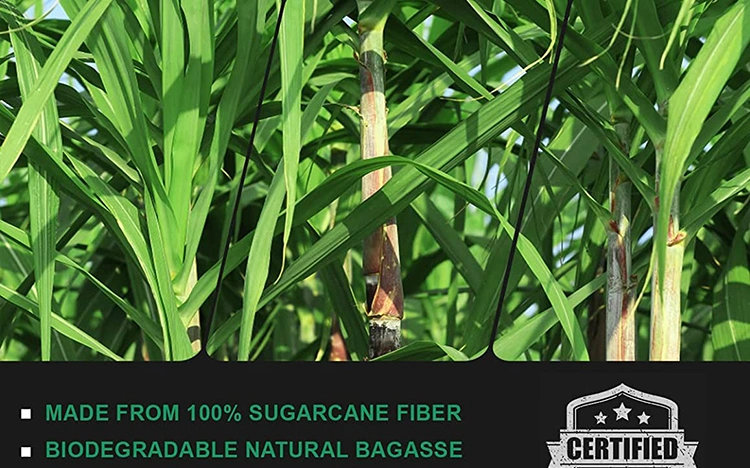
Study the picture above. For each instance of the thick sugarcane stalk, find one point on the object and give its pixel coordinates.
(381, 265)
(666, 315)
(620, 300)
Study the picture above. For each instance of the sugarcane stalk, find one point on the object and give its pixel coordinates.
(338, 345)
(338, 351)
(666, 315)
(597, 326)
(381, 263)
(620, 314)
(194, 325)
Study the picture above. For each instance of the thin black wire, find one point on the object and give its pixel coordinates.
(245, 167)
(532, 164)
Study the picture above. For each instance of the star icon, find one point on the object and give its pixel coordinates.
(643, 418)
(600, 418)
(622, 412)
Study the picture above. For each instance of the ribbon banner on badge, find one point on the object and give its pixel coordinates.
(622, 427)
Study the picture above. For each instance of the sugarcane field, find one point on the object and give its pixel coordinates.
(375, 180)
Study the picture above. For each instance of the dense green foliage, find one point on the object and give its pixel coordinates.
(125, 128)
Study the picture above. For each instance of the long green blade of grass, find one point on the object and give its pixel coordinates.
(291, 45)
(730, 332)
(259, 259)
(44, 201)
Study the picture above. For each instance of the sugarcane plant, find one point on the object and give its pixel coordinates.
(620, 320)
(126, 132)
(620, 310)
(381, 265)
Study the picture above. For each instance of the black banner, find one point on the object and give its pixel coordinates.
(485, 412)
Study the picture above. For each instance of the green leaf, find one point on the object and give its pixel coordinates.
(374, 13)
(150, 327)
(730, 332)
(521, 336)
(423, 351)
(690, 105)
(58, 323)
(450, 241)
(353, 326)
(259, 259)
(32, 110)
(44, 202)
(291, 45)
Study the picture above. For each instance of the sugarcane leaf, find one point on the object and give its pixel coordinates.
(24, 124)
(186, 92)
(569, 176)
(151, 328)
(374, 13)
(560, 303)
(347, 310)
(449, 240)
(127, 217)
(683, 18)
(178, 153)
(291, 53)
(652, 43)
(249, 31)
(706, 190)
(58, 323)
(605, 66)
(690, 105)
(414, 44)
(703, 211)
(514, 341)
(44, 201)
(259, 259)
(423, 351)
(730, 330)
(176, 342)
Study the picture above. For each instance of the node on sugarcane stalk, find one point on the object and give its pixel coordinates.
(381, 260)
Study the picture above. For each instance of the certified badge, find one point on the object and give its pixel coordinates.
(622, 427)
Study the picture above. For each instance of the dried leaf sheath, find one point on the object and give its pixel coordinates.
(381, 264)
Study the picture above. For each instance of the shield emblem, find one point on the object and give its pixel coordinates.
(622, 427)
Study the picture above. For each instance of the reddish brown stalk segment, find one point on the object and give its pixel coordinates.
(338, 345)
(381, 264)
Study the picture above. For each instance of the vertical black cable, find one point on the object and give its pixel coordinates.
(532, 164)
(245, 167)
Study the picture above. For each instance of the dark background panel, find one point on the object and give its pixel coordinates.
(509, 410)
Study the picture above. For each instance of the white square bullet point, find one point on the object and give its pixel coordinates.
(25, 413)
(25, 452)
